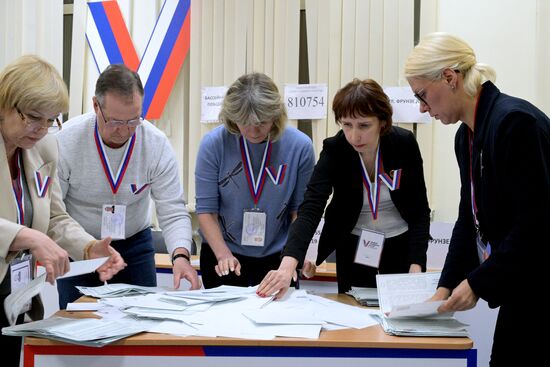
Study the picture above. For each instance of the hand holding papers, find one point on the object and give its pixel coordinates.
(405, 310)
(14, 303)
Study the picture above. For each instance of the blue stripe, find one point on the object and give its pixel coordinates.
(327, 352)
(106, 33)
(164, 53)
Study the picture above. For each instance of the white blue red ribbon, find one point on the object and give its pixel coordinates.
(255, 185)
(137, 190)
(111, 43)
(392, 181)
(41, 185)
(18, 191)
(373, 188)
(278, 177)
(114, 180)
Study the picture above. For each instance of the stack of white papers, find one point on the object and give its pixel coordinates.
(365, 296)
(117, 290)
(88, 332)
(405, 310)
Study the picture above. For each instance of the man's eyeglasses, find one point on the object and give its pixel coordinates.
(33, 123)
(120, 123)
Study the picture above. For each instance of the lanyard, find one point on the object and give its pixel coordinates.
(373, 189)
(114, 181)
(255, 185)
(472, 190)
(18, 191)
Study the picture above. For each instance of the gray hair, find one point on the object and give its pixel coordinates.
(439, 51)
(118, 79)
(252, 99)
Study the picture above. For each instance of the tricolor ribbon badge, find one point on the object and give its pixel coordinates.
(136, 190)
(41, 184)
(393, 180)
(111, 43)
(278, 177)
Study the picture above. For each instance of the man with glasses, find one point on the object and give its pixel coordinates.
(112, 162)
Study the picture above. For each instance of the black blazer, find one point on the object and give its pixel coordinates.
(338, 172)
(511, 174)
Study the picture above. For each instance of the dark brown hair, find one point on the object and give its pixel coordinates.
(363, 98)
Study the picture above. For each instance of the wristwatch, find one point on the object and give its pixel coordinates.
(177, 256)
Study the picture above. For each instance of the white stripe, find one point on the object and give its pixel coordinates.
(94, 41)
(157, 37)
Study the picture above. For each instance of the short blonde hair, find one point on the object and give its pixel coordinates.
(32, 84)
(439, 51)
(252, 99)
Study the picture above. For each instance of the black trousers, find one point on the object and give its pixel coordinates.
(10, 344)
(253, 269)
(394, 259)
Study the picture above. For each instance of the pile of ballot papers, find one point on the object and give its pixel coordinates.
(406, 311)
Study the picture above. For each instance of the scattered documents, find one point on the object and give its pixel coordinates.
(405, 309)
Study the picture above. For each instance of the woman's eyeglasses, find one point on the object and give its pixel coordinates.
(120, 123)
(421, 95)
(34, 124)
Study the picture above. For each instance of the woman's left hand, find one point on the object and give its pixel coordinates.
(461, 299)
(113, 265)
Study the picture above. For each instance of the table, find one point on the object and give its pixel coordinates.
(351, 346)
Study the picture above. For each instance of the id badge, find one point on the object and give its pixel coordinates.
(113, 221)
(253, 228)
(369, 248)
(21, 275)
(483, 251)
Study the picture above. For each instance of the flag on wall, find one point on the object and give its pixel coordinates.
(111, 43)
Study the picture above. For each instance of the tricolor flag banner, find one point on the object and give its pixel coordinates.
(111, 43)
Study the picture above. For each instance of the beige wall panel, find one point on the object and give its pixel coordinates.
(390, 52)
(361, 47)
(376, 39)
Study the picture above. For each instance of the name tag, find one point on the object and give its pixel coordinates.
(113, 221)
(369, 248)
(483, 251)
(254, 222)
(21, 275)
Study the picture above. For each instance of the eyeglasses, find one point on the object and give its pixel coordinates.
(421, 95)
(33, 123)
(120, 123)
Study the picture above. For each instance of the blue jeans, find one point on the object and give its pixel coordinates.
(137, 251)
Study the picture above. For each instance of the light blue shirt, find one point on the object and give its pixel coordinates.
(222, 186)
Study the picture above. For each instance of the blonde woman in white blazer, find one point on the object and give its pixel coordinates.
(33, 220)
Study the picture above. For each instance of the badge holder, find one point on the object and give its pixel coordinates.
(254, 222)
(21, 275)
(369, 248)
(113, 221)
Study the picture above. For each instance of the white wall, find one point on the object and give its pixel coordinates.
(504, 34)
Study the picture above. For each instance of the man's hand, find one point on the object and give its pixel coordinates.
(113, 265)
(182, 269)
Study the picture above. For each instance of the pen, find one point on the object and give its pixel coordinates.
(271, 299)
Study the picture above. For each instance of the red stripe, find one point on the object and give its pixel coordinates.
(110, 350)
(173, 66)
(122, 36)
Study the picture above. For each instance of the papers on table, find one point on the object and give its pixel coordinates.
(221, 312)
(405, 310)
(117, 290)
(88, 332)
(365, 296)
